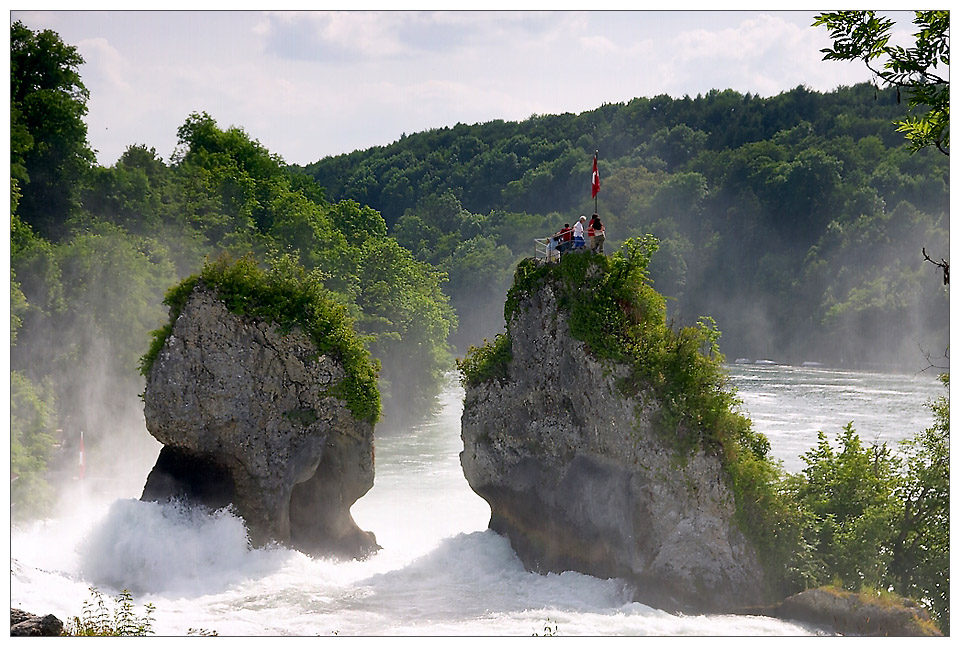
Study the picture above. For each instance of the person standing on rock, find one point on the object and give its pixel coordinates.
(564, 237)
(597, 233)
(578, 233)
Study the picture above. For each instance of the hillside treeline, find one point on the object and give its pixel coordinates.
(94, 249)
(795, 221)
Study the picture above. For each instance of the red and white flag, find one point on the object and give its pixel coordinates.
(596, 178)
(83, 462)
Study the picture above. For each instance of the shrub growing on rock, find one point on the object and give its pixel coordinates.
(288, 296)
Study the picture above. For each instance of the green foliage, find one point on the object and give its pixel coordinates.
(920, 564)
(849, 496)
(48, 134)
(99, 619)
(32, 435)
(488, 362)
(407, 319)
(288, 296)
(111, 280)
(862, 35)
(867, 519)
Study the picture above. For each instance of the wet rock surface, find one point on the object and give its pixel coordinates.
(855, 614)
(247, 417)
(24, 623)
(578, 478)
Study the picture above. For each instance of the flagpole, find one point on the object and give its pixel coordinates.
(596, 155)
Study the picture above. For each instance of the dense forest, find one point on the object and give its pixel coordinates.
(795, 221)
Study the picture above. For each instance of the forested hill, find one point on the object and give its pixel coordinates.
(795, 221)
(94, 249)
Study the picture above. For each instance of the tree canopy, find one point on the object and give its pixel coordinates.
(920, 70)
(48, 143)
(796, 221)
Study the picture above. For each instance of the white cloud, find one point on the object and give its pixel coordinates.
(597, 44)
(750, 39)
(309, 84)
(103, 63)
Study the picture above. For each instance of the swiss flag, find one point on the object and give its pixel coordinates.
(596, 178)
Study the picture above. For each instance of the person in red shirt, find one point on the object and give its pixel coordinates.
(564, 238)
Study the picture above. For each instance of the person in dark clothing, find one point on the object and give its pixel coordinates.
(596, 232)
(565, 238)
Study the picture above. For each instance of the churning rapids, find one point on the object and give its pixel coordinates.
(441, 572)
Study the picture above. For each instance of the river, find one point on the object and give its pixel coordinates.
(440, 572)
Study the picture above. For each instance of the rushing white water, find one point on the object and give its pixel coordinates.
(440, 572)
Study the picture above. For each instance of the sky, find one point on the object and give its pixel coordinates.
(312, 84)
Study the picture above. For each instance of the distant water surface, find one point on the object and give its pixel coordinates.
(791, 404)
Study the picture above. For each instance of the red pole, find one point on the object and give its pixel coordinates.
(83, 462)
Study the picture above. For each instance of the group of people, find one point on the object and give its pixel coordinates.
(572, 238)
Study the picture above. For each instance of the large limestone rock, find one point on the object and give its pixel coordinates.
(245, 417)
(578, 479)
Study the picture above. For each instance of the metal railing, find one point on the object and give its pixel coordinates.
(541, 248)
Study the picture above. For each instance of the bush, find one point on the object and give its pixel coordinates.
(487, 362)
(99, 620)
(32, 418)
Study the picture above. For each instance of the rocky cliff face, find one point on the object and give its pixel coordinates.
(245, 417)
(578, 478)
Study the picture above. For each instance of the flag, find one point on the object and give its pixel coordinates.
(83, 462)
(596, 178)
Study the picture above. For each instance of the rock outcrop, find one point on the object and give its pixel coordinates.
(24, 623)
(578, 478)
(246, 417)
(854, 614)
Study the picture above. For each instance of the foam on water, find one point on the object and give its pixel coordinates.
(171, 548)
(440, 572)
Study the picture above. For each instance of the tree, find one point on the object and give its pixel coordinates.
(849, 495)
(49, 150)
(921, 549)
(865, 36)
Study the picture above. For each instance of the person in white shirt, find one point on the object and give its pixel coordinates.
(578, 233)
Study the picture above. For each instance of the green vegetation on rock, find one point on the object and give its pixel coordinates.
(858, 516)
(288, 296)
(486, 362)
(618, 315)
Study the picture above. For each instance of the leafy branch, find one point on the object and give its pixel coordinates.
(865, 36)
